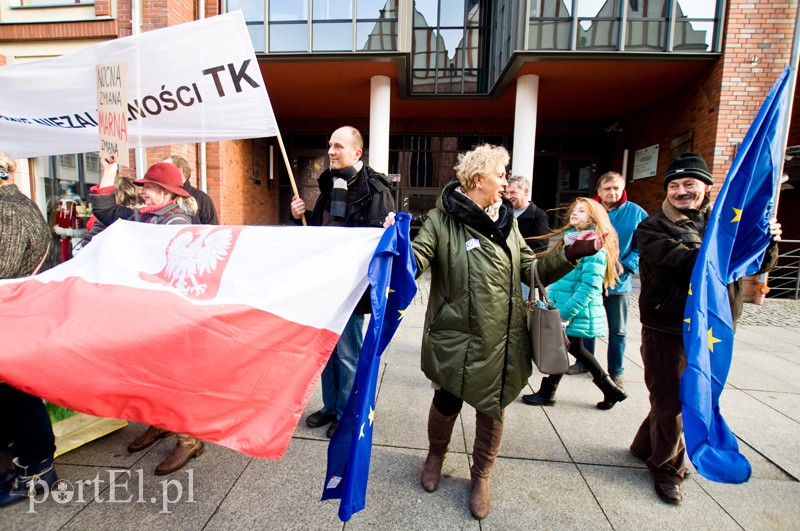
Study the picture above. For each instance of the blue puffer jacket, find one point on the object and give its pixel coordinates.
(579, 297)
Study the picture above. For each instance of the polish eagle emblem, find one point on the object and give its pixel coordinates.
(195, 259)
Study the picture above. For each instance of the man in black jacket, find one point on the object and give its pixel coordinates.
(351, 195)
(206, 213)
(669, 243)
(532, 220)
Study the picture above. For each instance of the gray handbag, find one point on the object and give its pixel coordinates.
(549, 343)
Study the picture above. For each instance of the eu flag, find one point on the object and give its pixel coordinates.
(736, 238)
(391, 275)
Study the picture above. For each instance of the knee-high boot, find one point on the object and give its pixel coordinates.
(611, 392)
(440, 429)
(488, 433)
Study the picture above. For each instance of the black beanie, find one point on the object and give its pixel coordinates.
(688, 165)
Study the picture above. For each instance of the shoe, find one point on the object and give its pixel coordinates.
(320, 419)
(619, 380)
(576, 369)
(332, 428)
(7, 477)
(28, 481)
(611, 392)
(538, 400)
(147, 439)
(545, 396)
(668, 492)
(179, 457)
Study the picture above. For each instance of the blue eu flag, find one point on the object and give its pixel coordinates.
(736, 238)
(391, 276)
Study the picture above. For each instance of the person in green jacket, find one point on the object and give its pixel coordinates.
(579, 299)
(475, 344)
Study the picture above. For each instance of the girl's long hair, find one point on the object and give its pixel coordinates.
(599, 220)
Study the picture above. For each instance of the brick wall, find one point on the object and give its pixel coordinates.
(240, 177)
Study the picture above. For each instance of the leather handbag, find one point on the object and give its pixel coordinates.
(549, 343)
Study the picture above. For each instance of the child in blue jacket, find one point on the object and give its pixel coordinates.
(579, 298)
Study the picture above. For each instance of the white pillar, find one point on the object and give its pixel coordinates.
(379, 103)
(525, 126)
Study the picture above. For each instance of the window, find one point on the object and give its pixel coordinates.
(333, 26)
(450, 47)
(48, 3)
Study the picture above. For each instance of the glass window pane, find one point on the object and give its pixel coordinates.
(428, 9)
(451, 13)
(333, 9)
(256, 32)
(646, 35)
(333, 37)
(602, 34)
(693, 36)
(252, 9)
(592, 8)
(288, 37)
(697, 8)
(374, 36)
(280, 10)
(548, 36)
(377, 9)
(452, 40)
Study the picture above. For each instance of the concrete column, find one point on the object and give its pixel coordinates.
(525, 126)
(379, 103)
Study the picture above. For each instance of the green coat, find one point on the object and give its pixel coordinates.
(475, 343)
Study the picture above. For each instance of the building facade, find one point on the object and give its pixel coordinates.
(573, 88)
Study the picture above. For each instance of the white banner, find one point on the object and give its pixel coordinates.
(193, 82)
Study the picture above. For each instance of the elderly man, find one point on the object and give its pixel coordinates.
(669, 243)
(206, 213)
(531, 220)
(625, 217)
(25, 248)
(351, 195)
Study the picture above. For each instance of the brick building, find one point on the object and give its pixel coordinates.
(572, 88)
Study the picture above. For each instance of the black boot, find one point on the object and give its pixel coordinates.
(546, 395)
(611, 392)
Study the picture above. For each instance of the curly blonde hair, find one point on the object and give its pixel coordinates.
(598, 218)
(479, 161)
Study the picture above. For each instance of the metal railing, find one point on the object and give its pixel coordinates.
(784, 280)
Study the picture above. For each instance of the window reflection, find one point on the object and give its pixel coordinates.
(333, 9)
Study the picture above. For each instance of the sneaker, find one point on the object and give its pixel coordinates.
(576, 369)
(619, 380)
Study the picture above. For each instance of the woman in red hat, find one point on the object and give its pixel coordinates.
(165, 203)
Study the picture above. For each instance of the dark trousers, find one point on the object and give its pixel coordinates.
(659, 439)
(25, 423)
(584, 357)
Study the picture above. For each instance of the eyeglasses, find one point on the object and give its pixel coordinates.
(3, 174)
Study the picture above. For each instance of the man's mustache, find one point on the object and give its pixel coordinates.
(681, 197)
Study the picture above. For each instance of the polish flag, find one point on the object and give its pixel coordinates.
(216, 331)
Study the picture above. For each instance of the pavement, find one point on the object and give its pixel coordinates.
(560, 467)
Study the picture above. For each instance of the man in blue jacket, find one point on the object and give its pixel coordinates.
(625, 217)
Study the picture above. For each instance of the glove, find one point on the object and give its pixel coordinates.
(579, 249)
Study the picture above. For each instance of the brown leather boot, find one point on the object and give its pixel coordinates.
(488, 433)
(147, 439)
(180, 456)
(440, 428)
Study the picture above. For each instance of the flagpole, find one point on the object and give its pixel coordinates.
(761, 283)
(289, 169)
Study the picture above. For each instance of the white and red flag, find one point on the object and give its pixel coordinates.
(219, 332)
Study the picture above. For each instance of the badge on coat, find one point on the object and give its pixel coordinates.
(473, 243)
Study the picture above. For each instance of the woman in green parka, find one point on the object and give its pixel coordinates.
(475, 344)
